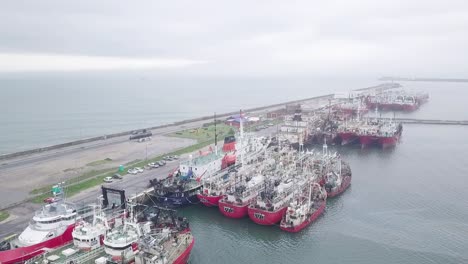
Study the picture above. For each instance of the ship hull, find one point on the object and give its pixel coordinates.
(312, 218)
(233, 211)
(387, 142)
(209, 200)
(344, 185)
(347, 137)
(21, 254)
(176, 201)
(263, 217)
(184, 256)
(409, 107)
(366, 140)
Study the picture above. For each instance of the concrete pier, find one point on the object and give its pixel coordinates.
(428, 121)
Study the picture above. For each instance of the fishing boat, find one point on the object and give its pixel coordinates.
(181, 187)
(272, 202)
(305, 208)
(347, 131)
(240, 194)
(120, 242)
(215, 186)
(337, 181)
(247, 182)
(389, 134)
(168, 240)
(89, 235)
(368, 133)
(51, 227)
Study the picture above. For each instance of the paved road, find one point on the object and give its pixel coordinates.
(38, 157)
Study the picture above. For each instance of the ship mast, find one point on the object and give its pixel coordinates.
(215, 135)
(241, 136)
(325, 147)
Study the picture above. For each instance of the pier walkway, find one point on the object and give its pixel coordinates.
(429, 121)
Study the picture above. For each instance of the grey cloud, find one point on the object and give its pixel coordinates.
(250, 37)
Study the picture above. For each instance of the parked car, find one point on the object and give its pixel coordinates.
(175, 157)
(161, 163)
(132, 171)
(51, 200)
(138, 169)
(117, 176)
(108, 179)
(153, 165)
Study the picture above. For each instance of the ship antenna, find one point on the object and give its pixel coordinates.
(241, 133)
(215, 135)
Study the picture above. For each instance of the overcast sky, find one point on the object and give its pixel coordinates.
(368, 37)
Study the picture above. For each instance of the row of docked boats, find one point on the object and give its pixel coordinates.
(397, 100)
(62, 232)
(271, 183)
(334, 128)
(343, 123)
(367, 132)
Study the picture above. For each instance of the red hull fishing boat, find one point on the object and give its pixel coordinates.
(305, 208)
(272, 201)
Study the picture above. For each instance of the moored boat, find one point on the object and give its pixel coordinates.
(305, 208)
(389, 134)
(337, 181)
(250, 150)
(240, 195)
(272, 201)
(168, 240)
(51, 228)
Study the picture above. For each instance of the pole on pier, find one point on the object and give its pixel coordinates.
(241, 136)
(216, 135)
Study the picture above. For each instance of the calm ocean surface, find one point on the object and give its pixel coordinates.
(406, 205)
(42, 110)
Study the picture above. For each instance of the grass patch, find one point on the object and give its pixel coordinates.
(204, 133)
(99, 162)
(132, 162)
(84, 176)
(4, 215)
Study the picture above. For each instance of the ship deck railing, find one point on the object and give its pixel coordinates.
(78, 258)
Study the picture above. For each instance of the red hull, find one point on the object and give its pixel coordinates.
(19, 255)
(347, 137)
(387, 142)
(410, 107)
(208, 200)
(311, 219)
(367, 140)
(184, 257)
(344, 185)
(263, 217)
(233, 211)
